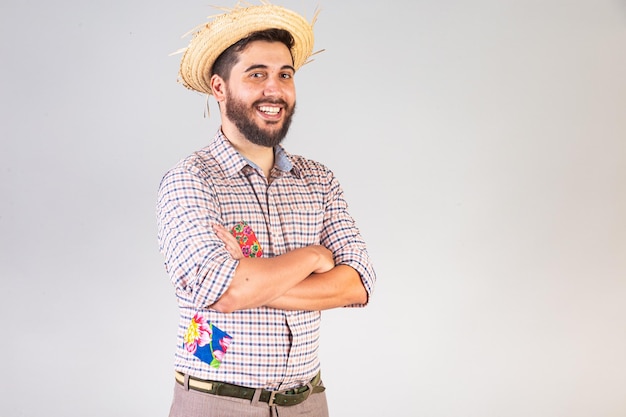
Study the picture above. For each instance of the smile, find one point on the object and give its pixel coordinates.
(270, 110)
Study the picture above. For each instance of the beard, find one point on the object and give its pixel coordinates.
(240, 115)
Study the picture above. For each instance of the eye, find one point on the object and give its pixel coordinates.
(286, 75)
(256, 75)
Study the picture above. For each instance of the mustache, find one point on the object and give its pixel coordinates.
(278, 101)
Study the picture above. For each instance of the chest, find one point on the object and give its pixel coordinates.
(286, 214)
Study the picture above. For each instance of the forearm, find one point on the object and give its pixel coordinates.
(339, 287)
(257, 281)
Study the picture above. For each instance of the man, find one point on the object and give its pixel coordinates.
(256, 241)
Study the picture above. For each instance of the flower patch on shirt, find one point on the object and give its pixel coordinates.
(206, 341)
(249, 244)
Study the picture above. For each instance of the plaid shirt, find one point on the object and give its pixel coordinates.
(302, 205)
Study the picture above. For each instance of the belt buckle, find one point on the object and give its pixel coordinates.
(303, 396)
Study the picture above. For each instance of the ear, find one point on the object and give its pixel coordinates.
(218, 87)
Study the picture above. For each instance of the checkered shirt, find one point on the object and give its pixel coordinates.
(302, 205)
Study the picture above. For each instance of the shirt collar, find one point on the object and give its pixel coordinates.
(232, 162)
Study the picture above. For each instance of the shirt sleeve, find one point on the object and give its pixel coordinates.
(195, 258)
(341, 235)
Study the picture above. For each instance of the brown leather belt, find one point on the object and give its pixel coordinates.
(283, 398)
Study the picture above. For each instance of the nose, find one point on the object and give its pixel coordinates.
(273, 87)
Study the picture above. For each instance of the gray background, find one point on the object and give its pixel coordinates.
(482, 148)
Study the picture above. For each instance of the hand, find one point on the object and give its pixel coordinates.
(230, 242)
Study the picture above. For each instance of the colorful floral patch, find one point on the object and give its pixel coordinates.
(250, 246)
(206, 341)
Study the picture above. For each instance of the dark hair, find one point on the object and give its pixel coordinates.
(227, 59)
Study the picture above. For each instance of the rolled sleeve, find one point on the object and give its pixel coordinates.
(195, 258)
(341, 235)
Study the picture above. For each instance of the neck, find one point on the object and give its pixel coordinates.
(262, 156)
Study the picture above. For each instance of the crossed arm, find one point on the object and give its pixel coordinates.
(303, 279)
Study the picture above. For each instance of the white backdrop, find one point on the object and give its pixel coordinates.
(482, 149)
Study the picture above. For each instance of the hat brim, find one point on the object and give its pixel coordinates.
(226, 29)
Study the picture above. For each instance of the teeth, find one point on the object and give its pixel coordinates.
(269, 109)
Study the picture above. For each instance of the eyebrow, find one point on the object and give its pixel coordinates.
(261, 66)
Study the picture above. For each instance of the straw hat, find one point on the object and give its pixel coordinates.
(213, 38)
